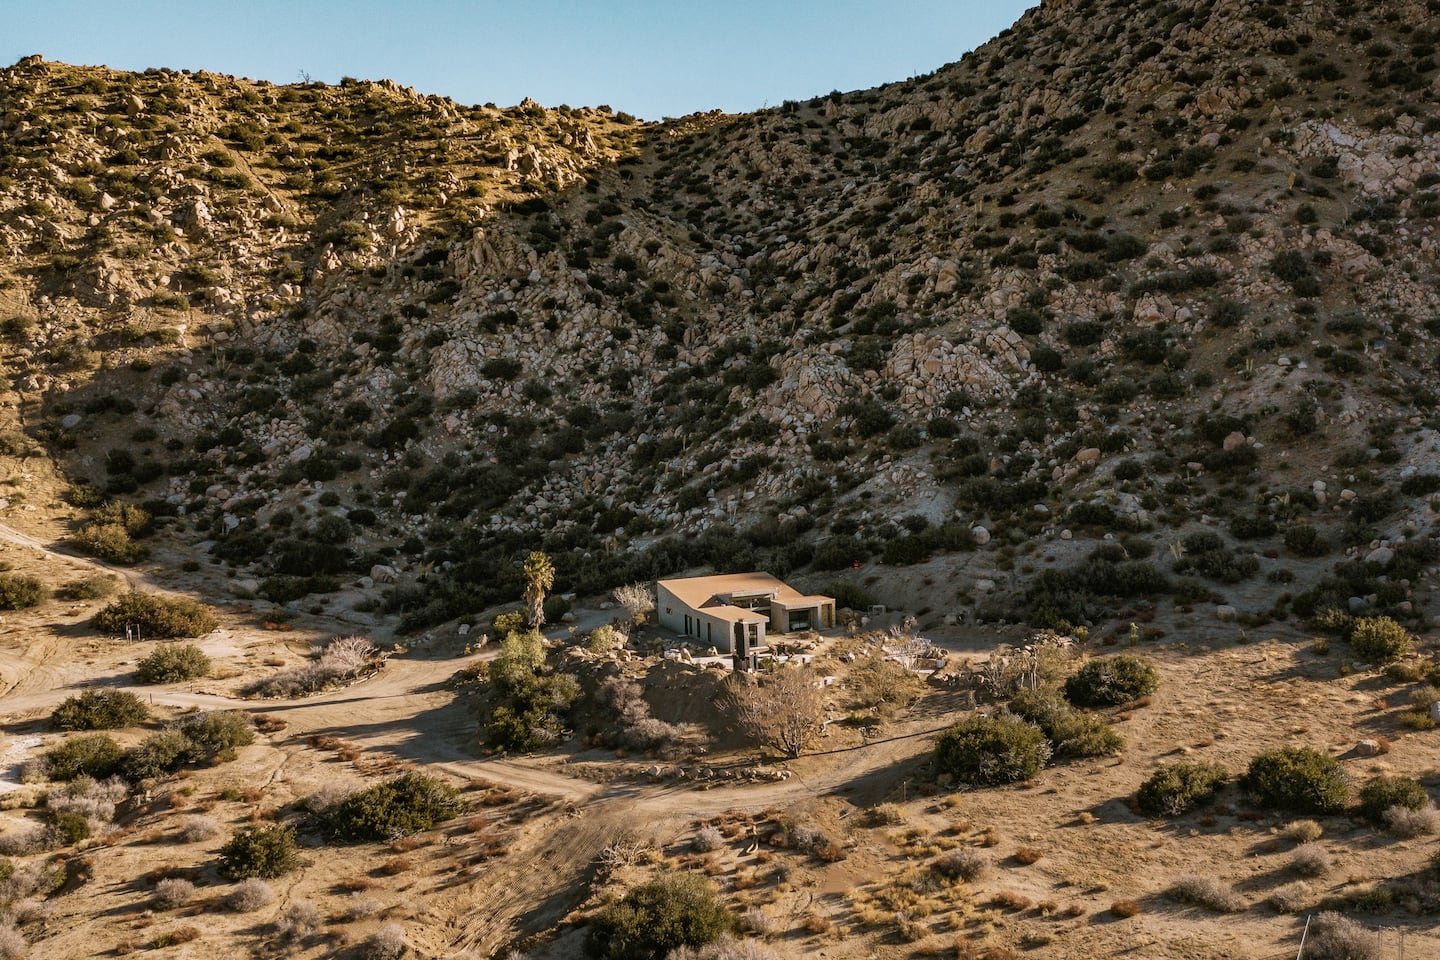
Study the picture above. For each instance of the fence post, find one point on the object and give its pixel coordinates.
(1303, 933)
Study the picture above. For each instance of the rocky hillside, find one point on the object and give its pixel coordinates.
(1135, 301)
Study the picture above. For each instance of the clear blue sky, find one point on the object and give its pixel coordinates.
(652, 58)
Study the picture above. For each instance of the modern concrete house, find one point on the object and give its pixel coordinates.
(734, 612)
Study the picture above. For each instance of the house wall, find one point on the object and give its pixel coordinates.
(705, 630)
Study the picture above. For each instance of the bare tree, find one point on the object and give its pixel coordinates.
(637, 599)
(784, 709)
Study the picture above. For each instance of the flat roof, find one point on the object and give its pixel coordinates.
(697, 592)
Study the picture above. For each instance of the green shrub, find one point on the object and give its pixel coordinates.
(1073, 735)
(17, 592)
(216, 733)
(70, 826)
(156, 617)
(172, 663)
(992, 750)
(94, 755)
(1110, 681)
(266, 851)
(110, 542)
(1300, 779)
(655, 918)
(99, 710)
(1379, 639)
(1382, 793)
(1305, 541)
(1177, 787)
(407, 804)
(94, 587)
(158, 754)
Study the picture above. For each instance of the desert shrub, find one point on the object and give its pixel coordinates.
(728, 947)
(197, 827)
(343, 658)
(249, 895)
(67, 828)
(672, 911)
(1175, 788)
(155, 756)
(1073, 735)
(1407, 822)
(216, 733)
(387, 943)
(992, 750)
(1382, 793)
(110, 542)
(94, 800)
(172, 663)
(409, 803)
(156, 617)
(1301, 779)
(961, 863)
(1110, 681)
(300, 920)
(265, 851)
(530, 708)
(18, 592)
(12, 942)
(1207, 892)
(1302, 831)
(1305, 541)
(885, 815)
(1335, 937)
(173, 892)
(23, 841)
(95, 755)
(1379, 639)
(1290, 898)
(706, 839)
(99, 710)
(94, 587)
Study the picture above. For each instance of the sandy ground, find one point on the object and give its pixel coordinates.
(526, 858)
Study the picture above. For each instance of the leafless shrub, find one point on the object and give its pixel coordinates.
(250, 895)
(94, 800)
(361, 907)
(196, 828)
(1207, 892)
(302, 919)
(387, 943)
(784, 710)
(706, 839)
(1412, 823)
(728, 947)
(30, 878)
(638, 729)
(31, 909)
(24, 841)
(759, 922)
(636, 598)
(12, 943)
(624, 852)
(342, 659)
(1311, 859)
(36, 770)
(329, 795)
(1334, 937)
(173, 892)
(1302, 831)
(961, 864)
(1291, 898)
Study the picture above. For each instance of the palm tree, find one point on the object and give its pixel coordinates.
(539, 578)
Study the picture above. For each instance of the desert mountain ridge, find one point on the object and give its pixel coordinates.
(937, 300)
